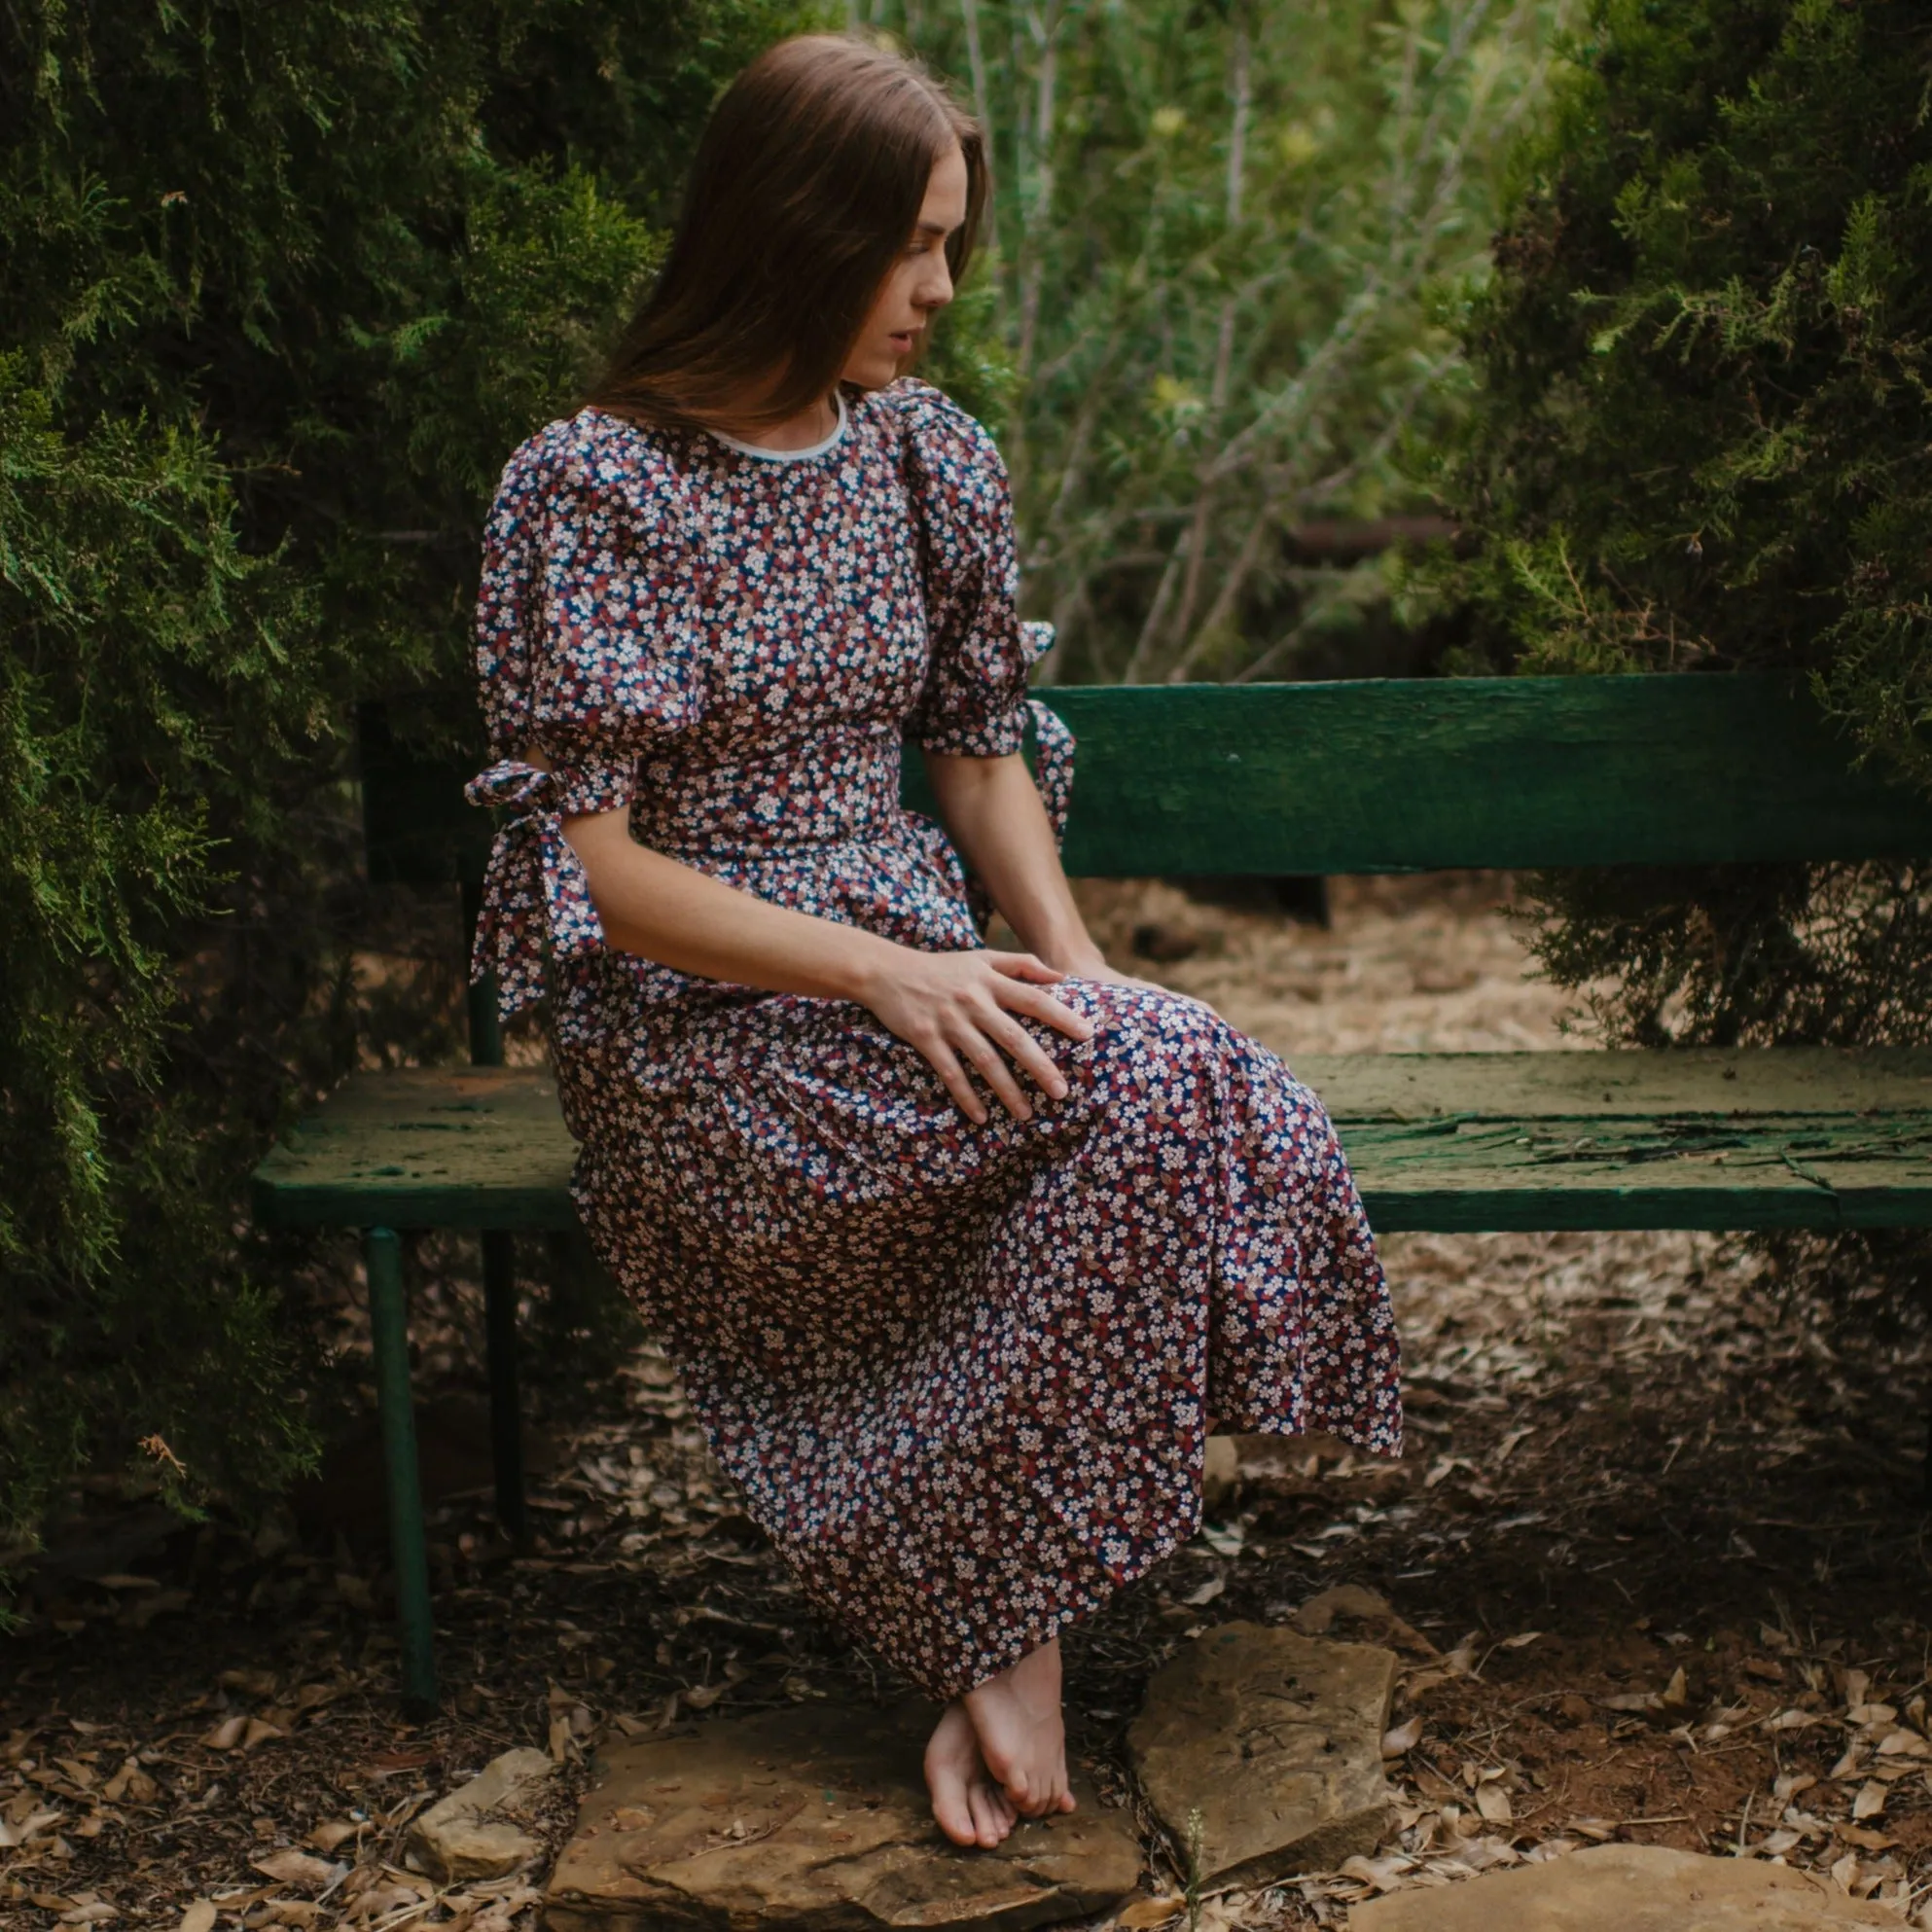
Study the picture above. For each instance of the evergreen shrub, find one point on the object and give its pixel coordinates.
(1700, 440)
(280, 287)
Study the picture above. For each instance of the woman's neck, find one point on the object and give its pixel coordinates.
(804, 431)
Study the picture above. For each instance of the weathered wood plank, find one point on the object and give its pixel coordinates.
(1727, 1172)
(1495, 1141)
(1375, 775)
(1593, 1084)
(1421, 774)
(426, 1148)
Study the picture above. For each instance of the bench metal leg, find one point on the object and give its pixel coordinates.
(505, 1422)
(389, 1327)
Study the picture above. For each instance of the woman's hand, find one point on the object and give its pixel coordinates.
(958, 1008)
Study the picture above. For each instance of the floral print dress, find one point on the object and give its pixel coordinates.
(962, 1375)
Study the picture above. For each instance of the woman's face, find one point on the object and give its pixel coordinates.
(917, 286)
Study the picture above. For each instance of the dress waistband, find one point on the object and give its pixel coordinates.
(536, 899)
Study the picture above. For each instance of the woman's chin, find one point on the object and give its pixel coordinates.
(876, 372)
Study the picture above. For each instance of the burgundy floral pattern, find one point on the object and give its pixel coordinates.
(961, 1373)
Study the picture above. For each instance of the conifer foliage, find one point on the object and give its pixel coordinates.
(279, 288)
(1702, 440)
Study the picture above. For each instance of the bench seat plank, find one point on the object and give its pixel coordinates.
(1799, 1138)
(425, 1147)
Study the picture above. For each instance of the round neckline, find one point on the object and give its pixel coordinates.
(760, 454)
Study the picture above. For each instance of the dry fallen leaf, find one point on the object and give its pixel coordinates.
(354, 1591)
(1869, 1801)
(1521, 1639)
(1632, 1700)
(1404, 1737)
(1143, 1914)
(1904, 1743)
(200, 1916)
(227, 1734)
(331, 1832)
(257, 1731)
(1493, 1801)
(1677, 1693)
(1866, 1840)
(133, 1784)
(1206, 1593)
(1383, 1874)
(291, 1867)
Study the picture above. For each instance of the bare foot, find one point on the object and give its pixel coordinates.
(971, 1809)
(1017, 1716)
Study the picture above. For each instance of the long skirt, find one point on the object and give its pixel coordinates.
(963, 1374)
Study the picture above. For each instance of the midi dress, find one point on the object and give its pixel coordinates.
(962, 1375)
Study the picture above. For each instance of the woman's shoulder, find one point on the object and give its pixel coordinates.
(594, 459)
(937, 431)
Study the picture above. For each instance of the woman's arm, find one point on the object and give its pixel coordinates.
(993, 814)
(956, 1007)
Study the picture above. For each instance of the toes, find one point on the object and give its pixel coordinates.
(987, 1824)
(954, 1812)
(946, 1779)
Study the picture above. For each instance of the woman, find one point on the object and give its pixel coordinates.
(954, 1248)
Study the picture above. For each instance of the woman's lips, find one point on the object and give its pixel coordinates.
(902, 340)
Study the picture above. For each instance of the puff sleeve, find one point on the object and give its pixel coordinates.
(585, 650)
(975, 703)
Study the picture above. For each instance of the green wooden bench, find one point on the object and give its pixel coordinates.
(1309, 778)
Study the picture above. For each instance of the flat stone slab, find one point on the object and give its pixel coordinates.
(474, 1833)
(1275, 1739)
(1625, 1889)
(816, 1819)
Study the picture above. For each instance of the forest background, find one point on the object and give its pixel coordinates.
(1624, 295)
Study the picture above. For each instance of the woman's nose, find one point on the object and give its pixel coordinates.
(936, 289)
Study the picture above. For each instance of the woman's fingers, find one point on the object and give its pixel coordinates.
(1017, 996)
(964, 1020)
(990, 1064)
(945, 1063)
(1026, 1053)
(1023, 966)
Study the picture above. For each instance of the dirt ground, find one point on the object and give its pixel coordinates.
(1659, 1543)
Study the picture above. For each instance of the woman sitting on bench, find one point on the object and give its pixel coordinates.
(956, 1250)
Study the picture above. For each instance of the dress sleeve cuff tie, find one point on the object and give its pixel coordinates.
(536, 900)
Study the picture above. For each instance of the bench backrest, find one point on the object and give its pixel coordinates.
(1375, 775)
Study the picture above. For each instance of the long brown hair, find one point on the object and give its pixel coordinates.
(807, 184)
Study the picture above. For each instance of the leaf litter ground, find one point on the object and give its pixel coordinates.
(1655, 1562)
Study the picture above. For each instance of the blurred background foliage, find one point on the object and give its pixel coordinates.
(1222, 233)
